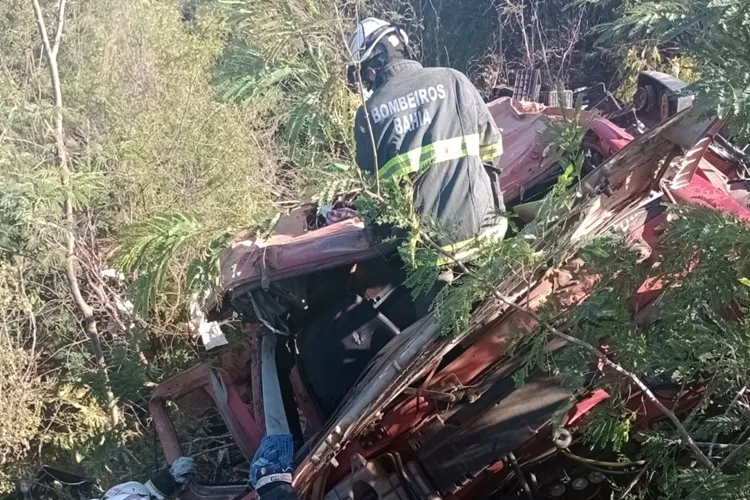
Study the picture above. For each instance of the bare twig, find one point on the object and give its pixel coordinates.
(32, 320)
(719, 446)
(724, 462)
(736, 399)
(633, 483)
(59, 32)
(573, 40)
(688, 440)
(528, 42)
(71, 271)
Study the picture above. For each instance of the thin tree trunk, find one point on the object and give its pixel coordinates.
(71, 271)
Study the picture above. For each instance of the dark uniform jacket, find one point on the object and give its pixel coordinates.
(431, 124)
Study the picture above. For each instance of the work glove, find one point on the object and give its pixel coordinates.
(167, 480)
(181, 467)
(273, 462)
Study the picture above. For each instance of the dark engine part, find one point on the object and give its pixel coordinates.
(660, 96)
(337, 346)
(385, 477)
(488, 430)
(528, 85)
(573, 475)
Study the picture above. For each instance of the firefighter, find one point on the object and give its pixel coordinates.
(430, 125)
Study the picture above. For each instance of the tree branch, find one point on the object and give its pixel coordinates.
(590, 348)
(71, 271)
(739, 449)
(59, 32)
(736, 399)
(632, 484)
(42, 27)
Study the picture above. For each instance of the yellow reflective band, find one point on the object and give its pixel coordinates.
(425, 156)
(463, 251)
(489, 151)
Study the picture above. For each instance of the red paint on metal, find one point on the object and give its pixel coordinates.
(482, 354)
(246, 263)
(251, 431)
(647, 413)
(702, 193)
(523, 161)
(525, 157)
(611, 137)
(486, 351)
(585, 406)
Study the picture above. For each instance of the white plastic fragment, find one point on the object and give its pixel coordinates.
(209, 331)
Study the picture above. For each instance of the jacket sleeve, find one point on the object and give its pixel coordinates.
(490, 140)
(129, 490)
(365, 157)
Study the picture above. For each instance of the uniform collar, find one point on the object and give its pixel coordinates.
(399, 66)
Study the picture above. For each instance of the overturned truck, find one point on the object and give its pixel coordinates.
(381, 404)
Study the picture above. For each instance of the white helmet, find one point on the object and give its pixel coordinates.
(369, 33)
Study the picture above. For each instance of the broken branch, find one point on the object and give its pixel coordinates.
(704, 460)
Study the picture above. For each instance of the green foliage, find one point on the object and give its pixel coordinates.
(21, 403)
(336, 181)
(204, 272)
(700, 484)
(646, 56)
(147, 250)
(214, 119)
(691, 340)
(714, 34)
(288, 57)
(565, 137)
(30, 208)
(610, 426)
(537, 357)
(146, 136)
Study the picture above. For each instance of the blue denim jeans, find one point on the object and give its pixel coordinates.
(274, 461)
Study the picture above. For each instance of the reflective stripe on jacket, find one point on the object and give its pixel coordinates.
(432, 125)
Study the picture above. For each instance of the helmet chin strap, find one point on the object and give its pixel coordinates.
(374, 73)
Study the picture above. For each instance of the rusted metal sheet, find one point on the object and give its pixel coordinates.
(526, 157)
(218, 385)
(249, 264)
